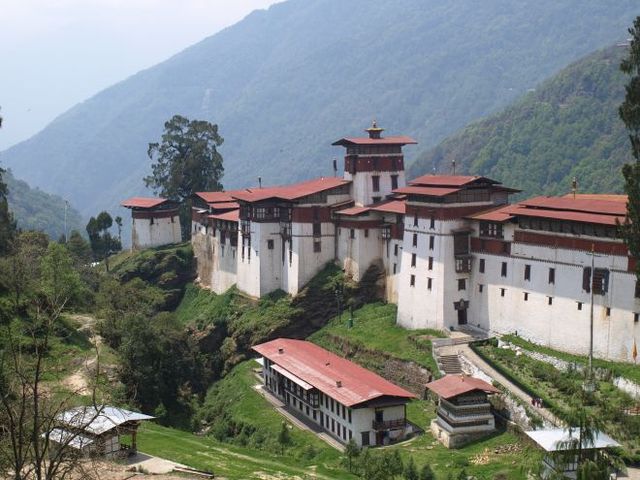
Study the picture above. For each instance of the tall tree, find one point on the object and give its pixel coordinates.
(630, 115)
(185, 161)
(101, 240)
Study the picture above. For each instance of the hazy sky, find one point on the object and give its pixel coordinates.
(56, 53)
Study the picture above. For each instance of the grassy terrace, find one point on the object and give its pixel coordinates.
(626, 370)
(258, 455)
(562, 391)
(374, 328)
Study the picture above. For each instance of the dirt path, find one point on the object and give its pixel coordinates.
(80, 380)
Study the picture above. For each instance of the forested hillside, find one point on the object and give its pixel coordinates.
(38, 210)
(284, 83)
(568, 127)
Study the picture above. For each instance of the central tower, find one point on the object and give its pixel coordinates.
(374, 164)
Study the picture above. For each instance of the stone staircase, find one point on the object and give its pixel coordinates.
(449, 364)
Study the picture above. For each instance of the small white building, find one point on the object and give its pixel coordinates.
(346, 400)
(464, 412)
(155, 222)
(97, 430)
(561, 449)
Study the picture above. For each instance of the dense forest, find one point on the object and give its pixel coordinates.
(284, 83)
(35, 209)
(567, 127)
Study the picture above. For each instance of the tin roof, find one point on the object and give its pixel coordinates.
(232, 216)
(100, 419)
(558, 439)
(449, 180)
(397, 140)
(290, 192)
(353, 211)
(499, 214)
(215, 197)
(337, 377)
(391, 206)
(143, 202)
(428, 191)
(451, 386)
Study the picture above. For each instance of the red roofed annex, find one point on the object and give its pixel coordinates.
(346, 400)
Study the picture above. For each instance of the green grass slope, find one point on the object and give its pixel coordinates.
(568, 127)
(284, 83)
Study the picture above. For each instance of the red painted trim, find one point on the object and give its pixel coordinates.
(306, 214)
(364, 163)
(569, 243)
(491, 246)
(443, 213)
(360, 225)
(145, 215)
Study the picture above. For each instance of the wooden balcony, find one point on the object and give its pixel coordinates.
(389, 424)
(463, 263)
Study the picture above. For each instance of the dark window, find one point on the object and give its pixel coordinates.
(352, 233)
(502, 292)
(365, 439)
(366, 233)
(480, 287)
(333, 425)
(394, 182)
(415, 239)
(349, 422)
(430, 263)
(600, 281)
(429, 283)
(608, 310)
(413, 259)
(344, 412)
(552, 275)
(290, 256)
(375, 179)
(394, 268)
(462, 284)
(550, 300)
(636, 317)
(481, 265)
(432, 240)
(317, 229)
(527, 272)
(317, 246)
(526, 296)
(432, 223)
(269, 246)
(579, 305)
(503, 270)
(412, 281)
(637, 291)
(586, 279)
(415, 220)
(375, 199)
(395, 249)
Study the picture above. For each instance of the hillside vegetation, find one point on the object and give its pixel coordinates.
(283, 84)
(568, 127)
(35, 209)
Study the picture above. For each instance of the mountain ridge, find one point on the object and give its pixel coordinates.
(284, 83)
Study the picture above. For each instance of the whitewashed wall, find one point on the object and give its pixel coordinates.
(162, 231)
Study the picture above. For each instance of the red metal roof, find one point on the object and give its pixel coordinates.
(604, 207)
(448, 180)
(353, 211)
(451, 386)
(499, 214)
(428, 191)
(397, 140)
(215, 197)
(611, 197)
(574, 216)
(143, 202)
(322, 369)
(290, 192)
(232, 216)
(391, 206)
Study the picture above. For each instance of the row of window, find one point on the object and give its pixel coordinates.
(375, 182)
(432, 221)
(432, 241)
